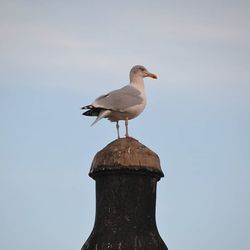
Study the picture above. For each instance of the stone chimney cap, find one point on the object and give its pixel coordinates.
(126, 154)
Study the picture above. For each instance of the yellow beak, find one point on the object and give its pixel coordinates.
(151, 75)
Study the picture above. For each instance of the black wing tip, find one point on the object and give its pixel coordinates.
(87, 107)
(92, 111)
(87, 113)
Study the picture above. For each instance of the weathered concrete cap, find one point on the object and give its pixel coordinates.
(126, 154)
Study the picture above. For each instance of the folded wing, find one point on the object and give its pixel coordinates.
(120, 99)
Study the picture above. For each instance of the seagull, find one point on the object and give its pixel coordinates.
(122, 104)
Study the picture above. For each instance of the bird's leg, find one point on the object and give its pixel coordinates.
(126, 126)
(117, 128)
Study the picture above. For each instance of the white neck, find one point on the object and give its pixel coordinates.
(138, 83)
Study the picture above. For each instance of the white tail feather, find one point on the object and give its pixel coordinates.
(103, 114)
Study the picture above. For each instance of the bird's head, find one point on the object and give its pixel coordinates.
(141, 72)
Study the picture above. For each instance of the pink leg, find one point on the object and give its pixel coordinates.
(117, 129)
(126, 125)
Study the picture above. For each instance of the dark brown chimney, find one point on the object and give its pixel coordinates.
(126, 173)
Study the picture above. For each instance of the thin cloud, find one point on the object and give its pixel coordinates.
(183, 46)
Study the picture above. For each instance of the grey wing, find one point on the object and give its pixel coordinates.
(120, 99)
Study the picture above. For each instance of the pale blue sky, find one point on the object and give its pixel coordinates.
(59, 55)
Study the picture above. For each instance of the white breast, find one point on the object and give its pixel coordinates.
(134, 111)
